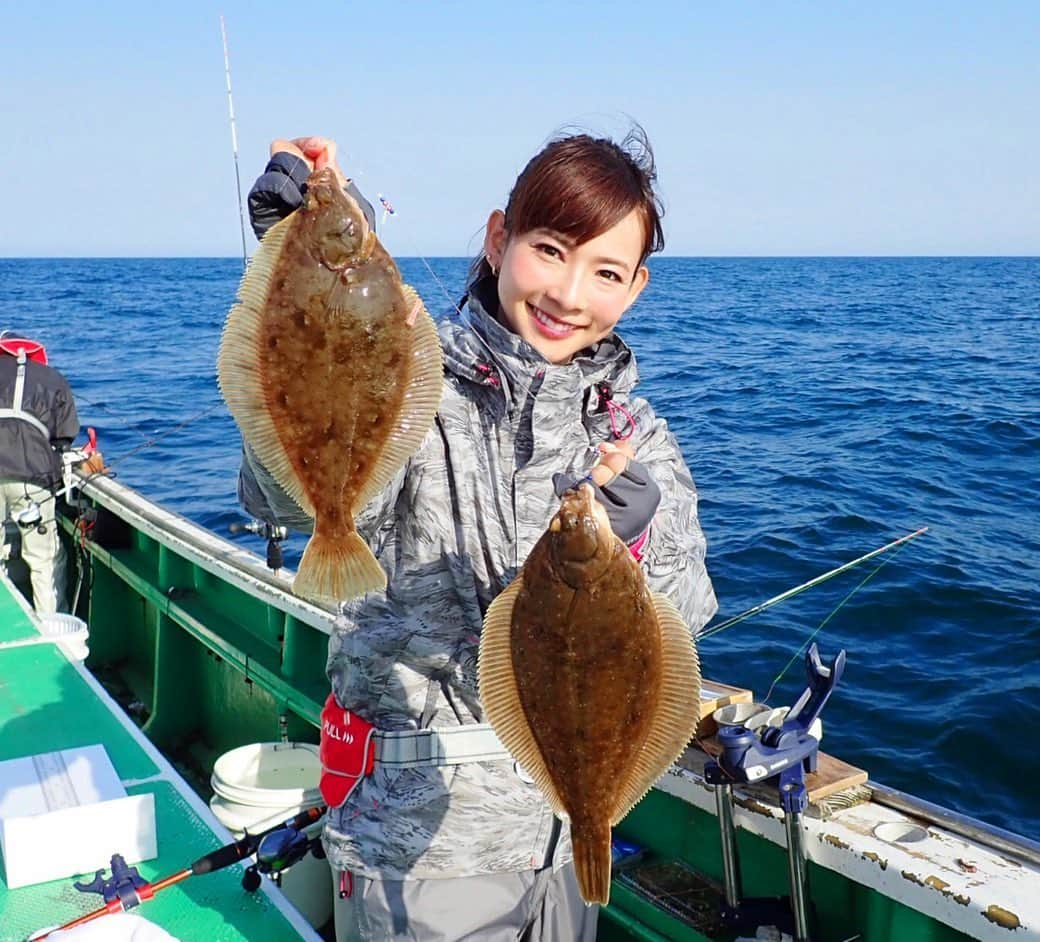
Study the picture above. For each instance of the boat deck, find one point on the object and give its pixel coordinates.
(49, 702)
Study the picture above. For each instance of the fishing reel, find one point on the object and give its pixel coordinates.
(277, 851)
(31, 518)
(274, 536)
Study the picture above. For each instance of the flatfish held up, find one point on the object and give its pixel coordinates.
(332, 369)
(590, 680)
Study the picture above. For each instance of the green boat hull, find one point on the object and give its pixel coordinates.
(208, 650)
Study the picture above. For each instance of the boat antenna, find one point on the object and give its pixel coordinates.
(234, 141)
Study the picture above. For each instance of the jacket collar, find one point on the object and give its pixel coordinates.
(14, 345)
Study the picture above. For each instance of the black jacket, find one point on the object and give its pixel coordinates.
(26, 454)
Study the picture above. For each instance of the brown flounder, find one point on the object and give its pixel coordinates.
(332, 369)
(590, 680)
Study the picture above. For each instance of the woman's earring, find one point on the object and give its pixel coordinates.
(491, 265)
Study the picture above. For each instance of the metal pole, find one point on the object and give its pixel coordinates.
(728, 834)
(797, 872)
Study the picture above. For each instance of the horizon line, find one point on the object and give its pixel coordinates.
(467, 258)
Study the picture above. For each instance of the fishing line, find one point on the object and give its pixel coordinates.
(818, 580)
(148, 443)
(419, 255)
(805, 644)
(106, 471)
(454, 306)
(124, 425)
(452, 303)
(465, 316)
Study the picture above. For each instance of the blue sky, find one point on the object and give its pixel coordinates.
(780, 128)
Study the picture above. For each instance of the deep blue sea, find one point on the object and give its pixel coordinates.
(825, 405)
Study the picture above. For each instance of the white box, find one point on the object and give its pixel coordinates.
(65, 813)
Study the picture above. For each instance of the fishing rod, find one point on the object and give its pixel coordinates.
(797, 590)
(234, 141)
(276, 848)
(109, 466)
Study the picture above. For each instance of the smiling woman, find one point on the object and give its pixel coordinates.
(537, 398)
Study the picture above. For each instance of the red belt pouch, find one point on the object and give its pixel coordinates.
(347, 752)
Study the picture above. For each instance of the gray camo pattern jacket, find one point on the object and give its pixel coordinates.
(452, 531)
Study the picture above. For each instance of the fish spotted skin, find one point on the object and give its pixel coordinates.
(589, 679)
(332, 370)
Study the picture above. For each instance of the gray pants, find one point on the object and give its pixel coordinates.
(532, 906)
(42, 553)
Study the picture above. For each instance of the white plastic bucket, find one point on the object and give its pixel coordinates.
(70, 632)
(260, 785)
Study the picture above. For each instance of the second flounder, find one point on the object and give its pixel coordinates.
(590, 680)
(332, 369)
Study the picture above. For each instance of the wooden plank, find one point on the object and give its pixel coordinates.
(832, 775)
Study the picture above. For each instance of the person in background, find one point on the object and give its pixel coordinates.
(538, 395)
(38, 422)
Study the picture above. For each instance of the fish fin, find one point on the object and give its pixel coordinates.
(501, 697)
(592, 865)
(422, 399)
(338, 568)
(238, 365)
(678, 708)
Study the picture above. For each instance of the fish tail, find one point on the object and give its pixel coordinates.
(338, 567)
(592, 864)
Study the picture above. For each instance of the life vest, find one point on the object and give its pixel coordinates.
(22, 349)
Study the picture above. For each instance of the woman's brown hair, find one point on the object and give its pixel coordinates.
(580, 186)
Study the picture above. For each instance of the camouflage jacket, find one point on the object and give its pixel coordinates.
(452, 531)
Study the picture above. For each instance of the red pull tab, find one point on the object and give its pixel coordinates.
(91, 445)
(346, 751)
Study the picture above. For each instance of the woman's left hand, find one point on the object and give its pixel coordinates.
(614, 458)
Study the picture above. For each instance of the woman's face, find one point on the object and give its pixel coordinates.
(561, 297)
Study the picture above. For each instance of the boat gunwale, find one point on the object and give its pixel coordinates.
(989, 835)
(960, 886)
(242, 568)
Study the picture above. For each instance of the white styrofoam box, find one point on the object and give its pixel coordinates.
(65, 813)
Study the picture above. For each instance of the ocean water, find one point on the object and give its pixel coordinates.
(826, 407)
